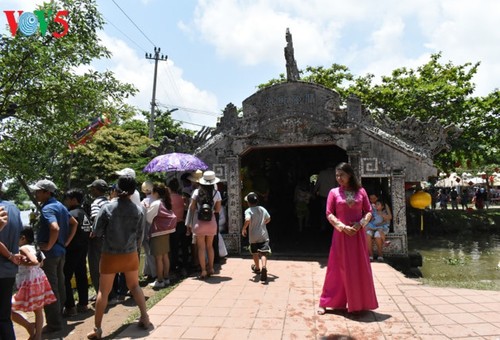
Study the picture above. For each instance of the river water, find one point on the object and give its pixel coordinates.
(468, 260)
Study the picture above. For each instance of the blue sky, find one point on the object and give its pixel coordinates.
(220, 50)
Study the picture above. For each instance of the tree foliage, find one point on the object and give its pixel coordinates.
(121, 145)
(443, 92)
(52, 100)
(112, 148)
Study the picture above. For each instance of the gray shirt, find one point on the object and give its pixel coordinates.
(257, 227)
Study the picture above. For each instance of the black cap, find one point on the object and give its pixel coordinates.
(251, 198)
(99, 184)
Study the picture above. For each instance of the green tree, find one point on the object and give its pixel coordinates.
(51, 100)
(14, 192)
(120, 145)
(112, 148)
(443, 92)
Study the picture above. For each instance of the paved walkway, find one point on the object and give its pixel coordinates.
(234, 305)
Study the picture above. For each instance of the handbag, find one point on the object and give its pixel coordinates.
(222, 247)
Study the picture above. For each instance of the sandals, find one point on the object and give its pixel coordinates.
(210, 272)
(203, 275)
(144, 324)
(321, 310)
(255, 269)
(96, 334)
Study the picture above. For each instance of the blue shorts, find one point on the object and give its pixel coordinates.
(260, 247)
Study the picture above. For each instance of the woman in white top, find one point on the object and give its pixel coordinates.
(205, 230)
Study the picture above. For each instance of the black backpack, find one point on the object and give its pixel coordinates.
(205, 211)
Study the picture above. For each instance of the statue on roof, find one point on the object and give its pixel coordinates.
(292, 72)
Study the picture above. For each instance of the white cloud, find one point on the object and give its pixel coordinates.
(468, 32)
(389, 34)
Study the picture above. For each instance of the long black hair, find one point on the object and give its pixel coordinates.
(353, 180)
(206, 193)
(28, 234)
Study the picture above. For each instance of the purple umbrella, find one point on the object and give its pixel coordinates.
(175, 162)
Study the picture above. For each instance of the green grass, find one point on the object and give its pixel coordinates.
(153, 300)
(468, 284)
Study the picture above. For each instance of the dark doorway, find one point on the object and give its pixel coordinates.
(274, 173)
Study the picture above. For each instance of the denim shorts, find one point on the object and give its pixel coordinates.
(375, 233)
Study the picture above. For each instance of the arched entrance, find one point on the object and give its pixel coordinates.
(274, 173)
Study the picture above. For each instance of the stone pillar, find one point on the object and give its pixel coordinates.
(232, 238)
(355, 161)
(399, 239)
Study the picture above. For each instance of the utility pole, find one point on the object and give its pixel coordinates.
(156, 58)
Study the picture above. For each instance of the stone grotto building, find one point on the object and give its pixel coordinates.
(291, 131)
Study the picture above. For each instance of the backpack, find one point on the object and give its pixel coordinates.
(164, 222)
(205, 211)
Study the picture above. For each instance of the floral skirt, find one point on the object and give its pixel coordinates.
(34, 291)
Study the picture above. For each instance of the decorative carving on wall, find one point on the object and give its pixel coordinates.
(398, 244)
(424, 137)
(229, 118)
(398, 203)
(333, 104)
(232, 242)
(369, 166)
(220, 171)
(234, 194)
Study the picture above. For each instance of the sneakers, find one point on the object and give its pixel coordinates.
(380, 259)
(69, 311)
(160, 284)
(48, 329)
(113, 302)
(82, 309)
(263, 274)
(255, 269)
(371, 258)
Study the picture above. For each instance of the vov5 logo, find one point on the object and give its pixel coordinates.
(28, 23)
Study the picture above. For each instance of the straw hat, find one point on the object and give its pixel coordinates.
(195, 176)
(208, 178)
(147, 187)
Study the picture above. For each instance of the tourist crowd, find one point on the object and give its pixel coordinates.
(175, 225)
(67, 239)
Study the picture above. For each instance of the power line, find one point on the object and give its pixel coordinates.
(207, 113)
(184, 122)
(119, 30)
(170, 77)
(145, 36)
